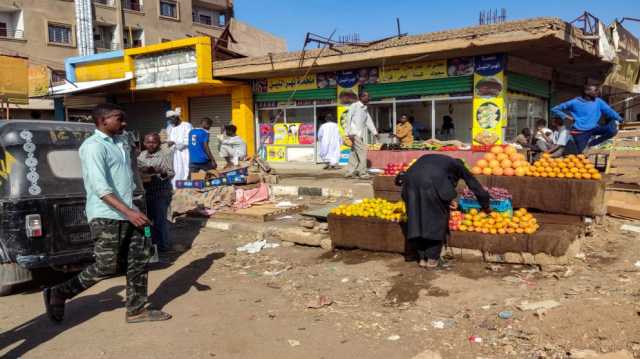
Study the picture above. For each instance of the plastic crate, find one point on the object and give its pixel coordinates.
(503, 205)
(190, 184)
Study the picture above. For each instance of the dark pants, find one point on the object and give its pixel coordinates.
(582, 139)
(157, 207)
(117, 244)
(195, 167)
(427, 248)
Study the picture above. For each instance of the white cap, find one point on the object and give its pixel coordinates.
(174, 113)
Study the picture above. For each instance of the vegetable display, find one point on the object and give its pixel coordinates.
(374, 208)
(496, 193)
(522, 222)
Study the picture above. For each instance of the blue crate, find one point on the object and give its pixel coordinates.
(190, 184)
(497, 205)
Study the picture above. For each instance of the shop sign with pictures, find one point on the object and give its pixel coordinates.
(489, 111)
(167, 68)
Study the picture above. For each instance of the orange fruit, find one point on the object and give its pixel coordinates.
(493, 231)
(569, 175)
(546, 155)
(502, 156)
(536, 174)
(593, 171)
(497, 149)
(487, 171)
(494, 163)
(497, 171)
(586, 176)
(489, 156)
(561, 175)
(509, 171)
(596, 176)
(502, 231)
(482, 163)
(510, 150)
(519, 230)
(544, 174)
(506, 163)
(520, 171)
(552, 175)
(516, 157)
(476, 170)
(574, 170)
(485, 230)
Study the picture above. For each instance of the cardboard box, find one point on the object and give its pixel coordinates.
(198, 176)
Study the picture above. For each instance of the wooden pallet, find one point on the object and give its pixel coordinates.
(623, 166)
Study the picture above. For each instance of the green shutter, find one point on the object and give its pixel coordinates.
(318, 94)
(528, 85)
(422, 87)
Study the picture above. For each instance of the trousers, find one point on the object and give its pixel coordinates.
(428, 248)
(358, 159)
(117, 244)
(584, 139)
(157, 207)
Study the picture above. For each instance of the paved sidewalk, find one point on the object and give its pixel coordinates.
(311, 177)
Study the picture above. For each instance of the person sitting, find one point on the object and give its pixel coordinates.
(560, 138)
(524, 138)
(232, 147)
(404, 131)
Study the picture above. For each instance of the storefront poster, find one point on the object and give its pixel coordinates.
(415, 71)
(291, 83)
(367, 76)
(280, 134)
(39, 76)
(346, 96)
(259, 86)
(276, 153)
(489, 110)
(460, 66)
(326, 80)
(306, 134)
(293, 131)
(14, 86)
(266, 133)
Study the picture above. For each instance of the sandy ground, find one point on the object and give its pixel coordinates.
(236, 305)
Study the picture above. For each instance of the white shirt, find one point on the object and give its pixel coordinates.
(360, 121)
(561, 136)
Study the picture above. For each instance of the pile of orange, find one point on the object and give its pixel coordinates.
(501, 161)
(499, 223)
(572, 167)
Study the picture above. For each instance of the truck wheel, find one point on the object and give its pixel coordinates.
(11, 274)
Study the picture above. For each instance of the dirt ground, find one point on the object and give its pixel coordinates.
(306, 302)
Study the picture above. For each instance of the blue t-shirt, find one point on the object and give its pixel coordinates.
(585, 113)
(198, 139)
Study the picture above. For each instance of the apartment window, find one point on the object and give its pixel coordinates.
(104, 2)
(135, 5)
(60, 34)
(205, 19)
(222, 20)
(58, 76)
(3, 29)
(133, 38)
(205, 16)
(169, 8)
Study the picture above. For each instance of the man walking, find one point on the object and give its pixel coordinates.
(116, 224)
(178, 134)
(359, 121)
(330, 142)
(585, 112)
(200, 157)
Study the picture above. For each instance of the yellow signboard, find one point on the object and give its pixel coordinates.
(291, 83)
(489, 110)
(412, 72)
(276, 153)
(38, 80)
(14, 86)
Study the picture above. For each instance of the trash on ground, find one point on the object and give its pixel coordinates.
(637, 264)
(630, 228)
(443, 323)
(505, 314)
(545, 304)
(475, 339)
(293, 343)
(284, 204)
(321, 301)
(393, 337)
(257, 246)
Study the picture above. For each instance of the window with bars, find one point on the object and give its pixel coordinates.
(169, 9)
(60, 34)
(135, 5)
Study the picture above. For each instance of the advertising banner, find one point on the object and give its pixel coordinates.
(347, 94)
(291, 83)
(14, 86)
(38, 80)
(412, 72)
(489, 110)
(276, 153)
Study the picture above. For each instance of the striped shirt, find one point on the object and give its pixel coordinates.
(155, 184)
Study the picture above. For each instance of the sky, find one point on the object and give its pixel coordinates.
(374, 19)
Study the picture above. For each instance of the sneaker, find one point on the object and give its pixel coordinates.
(148, 315)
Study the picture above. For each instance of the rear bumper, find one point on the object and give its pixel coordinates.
(56, 260)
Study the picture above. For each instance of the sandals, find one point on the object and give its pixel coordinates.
(148, 315)
(433, 264)
(55, 312)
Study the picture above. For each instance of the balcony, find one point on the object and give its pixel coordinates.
(214, 4)
(11, 33)
(105, 46)
(107, 3)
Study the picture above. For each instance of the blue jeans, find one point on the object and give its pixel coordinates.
(157, 206)
(584, 139)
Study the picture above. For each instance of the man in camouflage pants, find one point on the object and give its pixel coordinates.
(116, 224)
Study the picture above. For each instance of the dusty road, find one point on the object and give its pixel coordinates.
(236, 305)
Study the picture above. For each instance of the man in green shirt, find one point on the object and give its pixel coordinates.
(116, 224)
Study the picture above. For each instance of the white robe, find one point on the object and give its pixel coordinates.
(179, 135)
(330, 142)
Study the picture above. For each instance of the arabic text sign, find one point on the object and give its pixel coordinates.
(417, 71)
(489, 110)
(291, 83)
(168, 68)
(14, 85)
(38, 80)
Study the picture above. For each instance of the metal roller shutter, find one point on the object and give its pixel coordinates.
(217, 108)
(528, 85)
(146, 117)
(318, 94)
